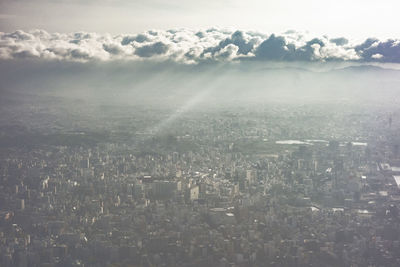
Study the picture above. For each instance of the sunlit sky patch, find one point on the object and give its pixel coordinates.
(354, 19)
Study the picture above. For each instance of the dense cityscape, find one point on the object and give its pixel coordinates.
(212, 133)
(262, 185)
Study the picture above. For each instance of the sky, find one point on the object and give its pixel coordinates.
(357, 19)
(192, 32)
(270, 48)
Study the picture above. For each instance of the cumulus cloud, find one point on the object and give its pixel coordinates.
(243, 42)
(388, 51)
(140, 38)
(339, 41)
(191, 47)
(274, 48)
(150, 50)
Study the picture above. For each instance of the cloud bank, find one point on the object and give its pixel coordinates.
(193, 47)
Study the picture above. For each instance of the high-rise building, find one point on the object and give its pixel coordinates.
(22, 204)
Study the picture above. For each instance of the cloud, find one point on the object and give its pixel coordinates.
(228, 52)
(158, 48)
(387, 51)
(192, 47)
(339, 41)
(377, 56)
(140, 38)
(244, 43)
(274, 48)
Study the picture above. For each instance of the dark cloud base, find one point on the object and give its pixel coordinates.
(194, 47)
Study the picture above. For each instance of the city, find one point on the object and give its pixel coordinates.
(212, 133)
(271, 185)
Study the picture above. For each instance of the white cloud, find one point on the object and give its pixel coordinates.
(377, 56)
(190, 47)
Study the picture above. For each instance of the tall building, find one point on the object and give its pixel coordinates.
(22, 204)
